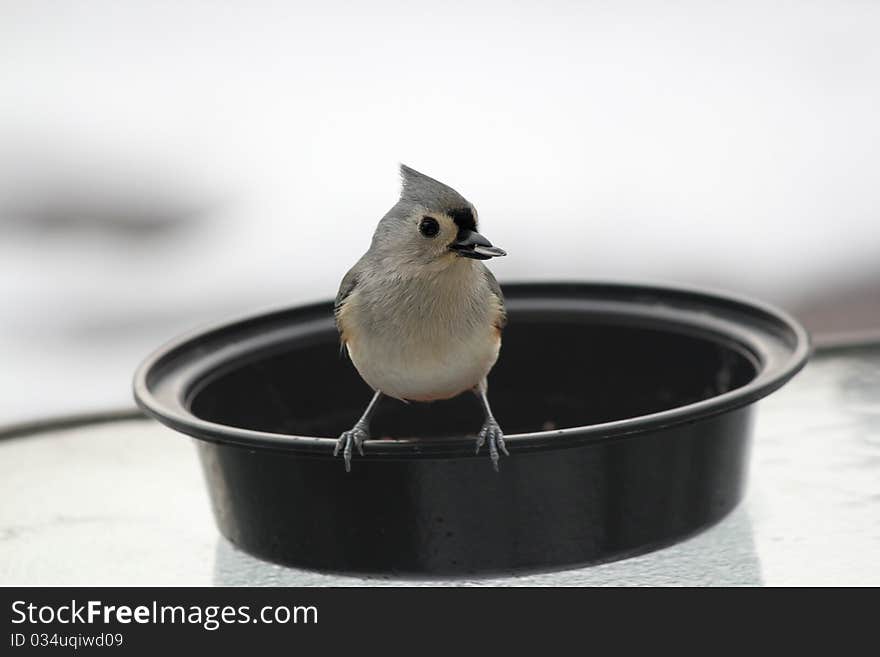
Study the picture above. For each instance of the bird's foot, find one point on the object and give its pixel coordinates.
(491, 433)
(354, 437)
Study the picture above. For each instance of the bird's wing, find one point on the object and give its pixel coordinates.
(349, 283)
(346, 288)
(501, 322)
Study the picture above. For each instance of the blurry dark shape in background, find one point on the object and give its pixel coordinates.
(93, 244)
(54, 215)
(81, 192)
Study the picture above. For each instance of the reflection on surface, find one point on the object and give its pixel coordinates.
(723, 555)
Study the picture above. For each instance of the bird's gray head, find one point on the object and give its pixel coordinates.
(430, 224)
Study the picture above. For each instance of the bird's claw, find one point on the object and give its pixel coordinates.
(353, 437)
(491, 433)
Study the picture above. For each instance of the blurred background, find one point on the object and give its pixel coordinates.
(166, 164)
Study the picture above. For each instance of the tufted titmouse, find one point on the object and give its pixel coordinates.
(420, 315)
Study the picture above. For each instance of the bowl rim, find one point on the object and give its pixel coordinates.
(640, 299)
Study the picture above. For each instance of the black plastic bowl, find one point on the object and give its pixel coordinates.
(627, 409)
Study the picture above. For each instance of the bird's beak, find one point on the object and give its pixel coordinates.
(471, 244)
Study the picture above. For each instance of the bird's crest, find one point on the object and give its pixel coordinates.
(422, 189)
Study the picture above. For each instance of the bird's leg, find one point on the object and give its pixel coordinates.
(490, 433)
(357, 434)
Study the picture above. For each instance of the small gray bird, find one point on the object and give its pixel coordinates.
(420, 315)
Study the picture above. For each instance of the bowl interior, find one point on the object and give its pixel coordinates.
(550, 375)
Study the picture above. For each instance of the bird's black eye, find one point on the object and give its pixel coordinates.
(429, 227)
